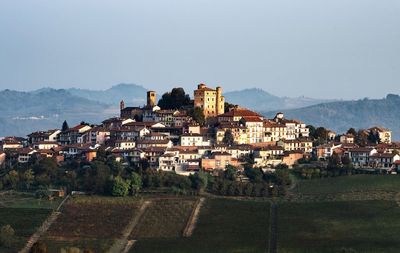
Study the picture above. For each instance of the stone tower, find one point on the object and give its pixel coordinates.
(220, 103)
(151, 98)
(122, 105)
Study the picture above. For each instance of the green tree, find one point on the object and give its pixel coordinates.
(352, 131)
(65, 126)
(120, 187)
(29, 178)
(230, 172)
(6, 235)
(228, 139)
(198, 115)
(175, 99)
(136, 183)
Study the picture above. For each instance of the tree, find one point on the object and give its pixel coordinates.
(175, 99)
(120, 187)
(198, 115)
(352, 131)
(136, 183)
(65, 126)
(39, 247)
(373, 137)
(230, 172)
(6, 235)
(228, 139)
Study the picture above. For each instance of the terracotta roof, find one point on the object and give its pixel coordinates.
(239, 112)
(252, 119)
(383, 155)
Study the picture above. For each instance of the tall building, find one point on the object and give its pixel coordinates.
(151, 99)
(209, 100)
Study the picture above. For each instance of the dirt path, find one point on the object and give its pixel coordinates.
(194, 216)
(43, 228)
(123, 244)
(273, 237)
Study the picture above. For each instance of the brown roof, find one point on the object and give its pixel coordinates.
(239, 112)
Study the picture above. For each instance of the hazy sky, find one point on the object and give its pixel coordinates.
(317, 48)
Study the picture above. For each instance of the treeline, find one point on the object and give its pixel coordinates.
(105, 176)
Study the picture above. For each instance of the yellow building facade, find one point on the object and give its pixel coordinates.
(209, 100)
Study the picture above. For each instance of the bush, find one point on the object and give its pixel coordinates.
(6, 235)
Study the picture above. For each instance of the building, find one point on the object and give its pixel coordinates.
(383, 160)
(76, 135)
(218, 161)
(210, 101)
(50, 135)
(346, 138)
(255, 129)
(2, 159)
(385, 135)
(360, 156)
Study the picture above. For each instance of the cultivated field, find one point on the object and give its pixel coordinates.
(331, 227)
(347, 188)
(91, 222)
(224, 226)
(25, 214)
(164, 218)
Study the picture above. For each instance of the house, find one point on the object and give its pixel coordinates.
(294, 128)
(346, 138)
(210, 101)
(255, 128)
(11, 144)
(76, 135)
(40, 136)
(385, 135)
(99, 135)
(124, 144)
(192, 139)
(263, 156)
(274, 131)
(383, 160)
(290, 158)
(236, 114)
(25, 154)
(45, 145)
(169, 161)
(218, 161)
(238, 130)
(301, 144)
(331, 135)
(326, 150)
(152, 154)
(360, 156)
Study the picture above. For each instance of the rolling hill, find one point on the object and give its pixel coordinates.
(260, 100)
(340, 116)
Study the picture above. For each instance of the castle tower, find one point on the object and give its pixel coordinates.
(151, 98)
(122, 105)
(220, 101)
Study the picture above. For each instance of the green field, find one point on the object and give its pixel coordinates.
(224, 226)
(164, 218)
(344, 184)
(26, 200)
(328, 227)
(24, 221)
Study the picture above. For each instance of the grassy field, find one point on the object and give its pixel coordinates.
(224, 226)
(328, 227)
(26, 200)
(164, 218)
(24, 221)
(359, 183)
(91, 222)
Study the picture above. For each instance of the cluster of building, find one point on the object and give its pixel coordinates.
(171, 140)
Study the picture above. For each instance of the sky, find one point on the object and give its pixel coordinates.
(323, 49)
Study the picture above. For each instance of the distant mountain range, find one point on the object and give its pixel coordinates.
(24, 112)
(132, 94)
(340, 116)
(261, 100)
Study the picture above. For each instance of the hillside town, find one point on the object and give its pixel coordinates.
(207, 134)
